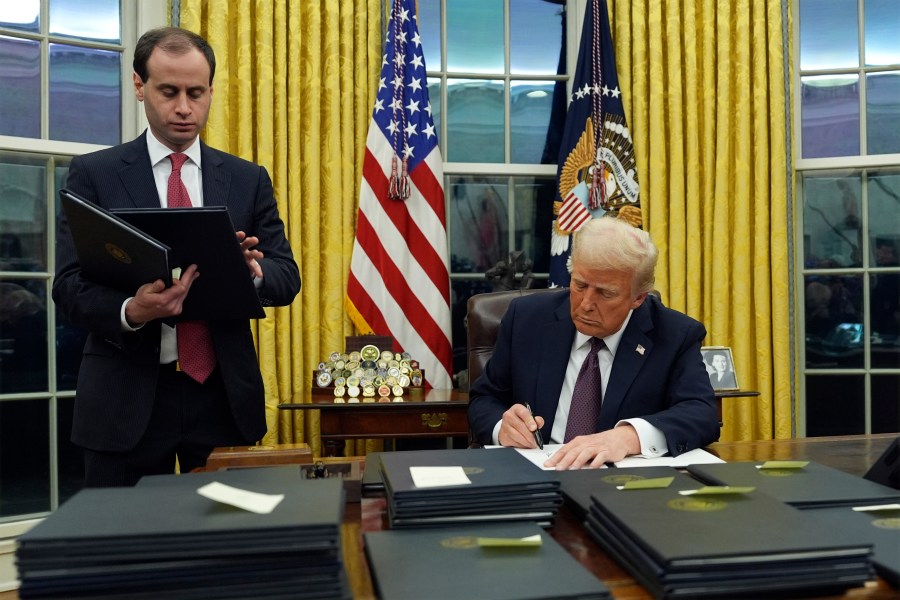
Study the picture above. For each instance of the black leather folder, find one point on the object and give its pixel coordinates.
(815, 485)
(206, 237)
(447, 563)
(111, 251)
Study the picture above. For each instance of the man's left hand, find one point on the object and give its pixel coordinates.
(595, 450)
(251, 254)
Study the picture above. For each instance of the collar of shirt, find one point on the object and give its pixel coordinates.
(611, 341)
(158, 151)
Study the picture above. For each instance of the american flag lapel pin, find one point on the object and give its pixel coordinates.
(640, 349)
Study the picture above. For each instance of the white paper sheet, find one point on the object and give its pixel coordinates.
(261, 504)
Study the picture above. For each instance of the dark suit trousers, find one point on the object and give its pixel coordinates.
(187, 422)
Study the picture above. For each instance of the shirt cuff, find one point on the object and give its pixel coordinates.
(125, 325)
(495, 435)
(652, 440)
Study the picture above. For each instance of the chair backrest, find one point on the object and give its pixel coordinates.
(484, 312)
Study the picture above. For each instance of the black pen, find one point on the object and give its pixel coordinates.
(537, 432)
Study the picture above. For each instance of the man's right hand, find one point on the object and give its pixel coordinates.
(518, 426)
(156, 301)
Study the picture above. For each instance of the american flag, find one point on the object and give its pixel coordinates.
(399, 282)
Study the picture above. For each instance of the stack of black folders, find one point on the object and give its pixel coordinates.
(856, 507)
(501, 486)
(162, 539)
(718, 543)
(500, 561)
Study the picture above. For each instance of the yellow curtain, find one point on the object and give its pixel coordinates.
(704, 89)
(294, 89)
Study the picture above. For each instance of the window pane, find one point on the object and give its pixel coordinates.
(24, 457)
(884, 287)
(830, 115)
(479, 218)
(885, 407)
(883, 112)
(475, 119)
(530, 106)
(21, 14)
(462, 290)
(832, 230)
(475, 36)
(429, 22)
(534, 214)
(23, 336)
(882, 32)
(828, 35)
(20, 87)
(23, 214)
(85, 95)
(434, 98)
(834, 405)
(834, 324)
(70, 458)
(884, 219)
(536, 37)
(96, 20)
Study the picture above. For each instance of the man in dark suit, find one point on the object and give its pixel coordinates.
(652, 395)
(136, 410)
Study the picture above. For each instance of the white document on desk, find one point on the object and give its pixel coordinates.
(697, 456)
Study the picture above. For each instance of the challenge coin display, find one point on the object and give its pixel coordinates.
(365, 373)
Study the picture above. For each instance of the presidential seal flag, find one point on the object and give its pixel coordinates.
(597, 174)
(399, 283)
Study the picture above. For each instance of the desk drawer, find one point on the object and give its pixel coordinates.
(442, 421)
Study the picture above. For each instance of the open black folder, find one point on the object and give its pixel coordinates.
(204, 236)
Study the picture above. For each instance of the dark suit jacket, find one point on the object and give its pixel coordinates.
(666, 384)
(117, 379)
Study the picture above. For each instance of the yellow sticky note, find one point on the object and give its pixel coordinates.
(532, 541)
(783, 464)
(718, 490)
(647, 484)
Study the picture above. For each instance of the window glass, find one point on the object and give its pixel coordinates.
(533, 217)
(529, 114)
(828, 411)
(23, 336)
(85, 95)
(429, 22)
(883, 111)
(535, 31)
(882, 32)
(835, 335)
(828, 35)
(24, 15)
(475, 120)
(434, 98)
(24, 475)
(479, 217)
(885, 408)
(95, 20)
(832, 228)
(23, 214)
(475, 36)
(20, 87)
(830, 115)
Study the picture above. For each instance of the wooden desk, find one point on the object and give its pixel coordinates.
(436, 413)
(853, 454)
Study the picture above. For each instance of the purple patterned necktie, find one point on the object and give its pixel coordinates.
(584, 412)
(196, 354)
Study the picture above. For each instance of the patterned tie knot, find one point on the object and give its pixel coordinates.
(597, 345)
(178, 159)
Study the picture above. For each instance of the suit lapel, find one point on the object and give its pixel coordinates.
(555, 340)
(627, 364)
(136, 175)
(216, 179)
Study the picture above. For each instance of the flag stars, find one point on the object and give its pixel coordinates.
(381, 84)
(416, 84)
(428, 108)
(379, 104)
(428, 131)
(413, 107)
(616, 93)
(605, 91)
(392, 127)
(396, 104)
(411, 129)
(408, 151)
(416, 39)
(404, 15)
(416, 61)
(398, 81)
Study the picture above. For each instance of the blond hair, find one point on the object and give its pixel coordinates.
(609, 243)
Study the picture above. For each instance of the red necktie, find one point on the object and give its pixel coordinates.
(196, 355)
(584, 412)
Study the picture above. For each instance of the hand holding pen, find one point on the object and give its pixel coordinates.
(538, 438)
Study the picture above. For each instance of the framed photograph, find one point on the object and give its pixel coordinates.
(720, 367)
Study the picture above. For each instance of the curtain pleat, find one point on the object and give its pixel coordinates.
(294, 88)
(704, 86)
